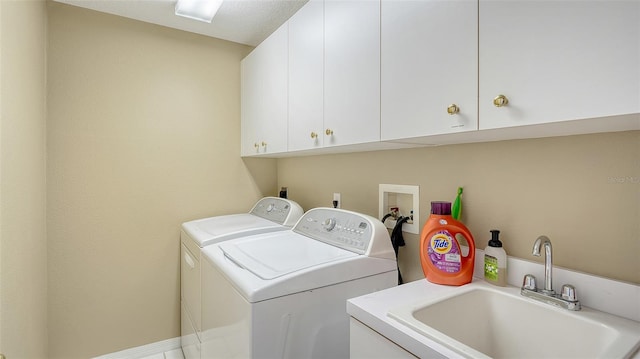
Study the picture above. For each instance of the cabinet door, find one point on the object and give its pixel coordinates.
(429, 61)
(366, 343)
(558, 60)
(306, 53)
(352, 72)
(264, 96)
(249, 89)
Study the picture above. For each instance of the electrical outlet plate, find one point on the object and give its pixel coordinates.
(336, 197)
(406, 198)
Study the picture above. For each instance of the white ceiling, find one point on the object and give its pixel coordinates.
(243, 21)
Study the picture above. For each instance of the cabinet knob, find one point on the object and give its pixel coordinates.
(500, 101)
(329, 132)
(264, 144)
(453, 109)
(314, 135)
(256, 145)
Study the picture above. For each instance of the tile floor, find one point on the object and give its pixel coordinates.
(173, 354)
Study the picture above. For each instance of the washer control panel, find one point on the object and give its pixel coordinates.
(344, 229)
(277, 210)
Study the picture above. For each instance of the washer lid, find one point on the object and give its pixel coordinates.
(271, 257)
(216, 229)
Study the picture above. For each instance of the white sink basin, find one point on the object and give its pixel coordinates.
(480, 321)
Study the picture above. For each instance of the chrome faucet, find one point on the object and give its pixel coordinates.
(548, 263)
(567, 299)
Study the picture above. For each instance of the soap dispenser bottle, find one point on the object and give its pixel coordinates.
(495, 261)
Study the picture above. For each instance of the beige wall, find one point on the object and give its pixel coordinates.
(582, 191)
(143, 134)
(23, 261)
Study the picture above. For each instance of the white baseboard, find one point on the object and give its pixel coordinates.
(144, 350)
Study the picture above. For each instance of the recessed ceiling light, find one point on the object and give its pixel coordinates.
(201, 10)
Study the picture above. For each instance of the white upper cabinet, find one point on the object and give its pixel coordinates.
(264, 96)
(429, 67)
(306, 71)
(557, 60)
(351, 72)
(344, 75)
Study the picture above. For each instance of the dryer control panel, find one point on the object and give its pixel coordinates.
(344, 229)
(278, 210)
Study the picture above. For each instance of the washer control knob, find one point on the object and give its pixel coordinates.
(270, 207)
(329, 224)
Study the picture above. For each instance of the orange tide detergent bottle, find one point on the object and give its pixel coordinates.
(443, 260)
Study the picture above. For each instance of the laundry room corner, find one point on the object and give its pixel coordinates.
(143, 134)
(23, 244)
(263, 173)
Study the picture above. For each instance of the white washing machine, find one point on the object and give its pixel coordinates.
(284, 294)
(269, 214)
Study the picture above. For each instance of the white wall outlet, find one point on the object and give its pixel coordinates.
(337, 202)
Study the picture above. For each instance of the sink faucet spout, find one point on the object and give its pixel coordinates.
(548, 266)
(567, 300)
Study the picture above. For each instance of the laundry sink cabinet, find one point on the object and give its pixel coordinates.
(480, 320)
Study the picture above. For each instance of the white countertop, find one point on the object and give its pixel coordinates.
(371, 310)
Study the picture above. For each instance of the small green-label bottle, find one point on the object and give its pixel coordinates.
(495, 261)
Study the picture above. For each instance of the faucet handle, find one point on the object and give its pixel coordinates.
(529, 282)
(569, 293)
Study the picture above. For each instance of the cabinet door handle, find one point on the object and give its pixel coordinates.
(314, 135)
(453, 109)
(329, 132)
(500, 101)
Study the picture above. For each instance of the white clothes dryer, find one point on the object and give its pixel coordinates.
(284, 294)
(269, 214)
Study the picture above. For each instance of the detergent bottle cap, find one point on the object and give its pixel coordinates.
(441, 208)
(494, 241)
